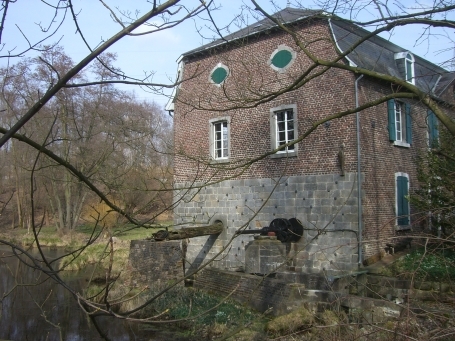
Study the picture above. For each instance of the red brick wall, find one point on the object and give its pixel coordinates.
(381, 160)
(199, 101)
(250, 127)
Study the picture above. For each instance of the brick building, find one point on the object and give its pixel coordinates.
(244, 98)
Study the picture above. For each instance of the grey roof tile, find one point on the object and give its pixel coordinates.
(375, 54)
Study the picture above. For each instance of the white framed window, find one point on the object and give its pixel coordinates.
(405, 64)
(283, 128)
(399, 119)
(402, 207)
(409, 68)
(220, 138)
(400, 123)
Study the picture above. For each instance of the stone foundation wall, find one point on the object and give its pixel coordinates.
(326, 204)
(262, 293)
(155, 263)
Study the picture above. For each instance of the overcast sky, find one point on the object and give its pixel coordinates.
(159, 51)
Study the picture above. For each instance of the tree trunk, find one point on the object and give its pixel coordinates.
(189, 232)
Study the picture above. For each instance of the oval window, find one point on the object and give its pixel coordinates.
(282, 58)
(219, 75)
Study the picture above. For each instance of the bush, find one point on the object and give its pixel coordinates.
(430, 265)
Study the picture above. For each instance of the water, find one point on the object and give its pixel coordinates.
(34, 307)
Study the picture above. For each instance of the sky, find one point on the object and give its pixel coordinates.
(157, 52)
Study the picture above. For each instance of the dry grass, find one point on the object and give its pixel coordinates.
(287, 324)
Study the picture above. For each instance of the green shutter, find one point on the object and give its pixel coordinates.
(433, 132)
(219, 75)
(281, 58)
(391, 114)
(430, 127)
(408, 123)
(402, 201)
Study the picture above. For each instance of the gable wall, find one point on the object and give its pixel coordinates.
(250, 127)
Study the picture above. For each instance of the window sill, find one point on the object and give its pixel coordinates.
(281, 155)
(403, 227)
(215, 161)
(401, 144)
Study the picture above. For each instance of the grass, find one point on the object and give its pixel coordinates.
(194, 308)
(50, 236)
(431, 265)
(75, 239)
(99, 252)
(126, 232)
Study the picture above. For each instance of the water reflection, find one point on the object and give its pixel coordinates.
(35, 308)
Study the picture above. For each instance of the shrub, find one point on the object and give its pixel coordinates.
(431, 265)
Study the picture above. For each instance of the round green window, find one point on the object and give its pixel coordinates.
(219, 75)
(281, 59)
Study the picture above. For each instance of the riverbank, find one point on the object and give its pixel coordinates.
(197, 315)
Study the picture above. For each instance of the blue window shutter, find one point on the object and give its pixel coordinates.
(408, 123)
(391, 114)
(402, 201)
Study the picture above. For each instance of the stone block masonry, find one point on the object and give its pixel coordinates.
(326, 204)
(154, 263)
(262, 293)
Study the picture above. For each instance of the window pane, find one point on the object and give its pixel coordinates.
(409, 71)
(220, 140)
(284, 128)
(398, 120)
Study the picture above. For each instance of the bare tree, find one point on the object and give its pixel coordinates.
(73, 117)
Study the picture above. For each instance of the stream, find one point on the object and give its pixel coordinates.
(34, 307)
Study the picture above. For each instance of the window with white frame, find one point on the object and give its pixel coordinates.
(402, 208)
(400, 123)
(283, 126)
(409, 68)
(219, 138)
(406, 66)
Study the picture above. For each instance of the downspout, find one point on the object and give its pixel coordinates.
(359, 174)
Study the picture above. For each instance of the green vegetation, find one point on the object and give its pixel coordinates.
(198, 313)
(50, 236)
(435, 197)
(429, 265)
(124, 232)
(97, 252)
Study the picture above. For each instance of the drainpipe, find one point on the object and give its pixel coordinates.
(359, 174)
